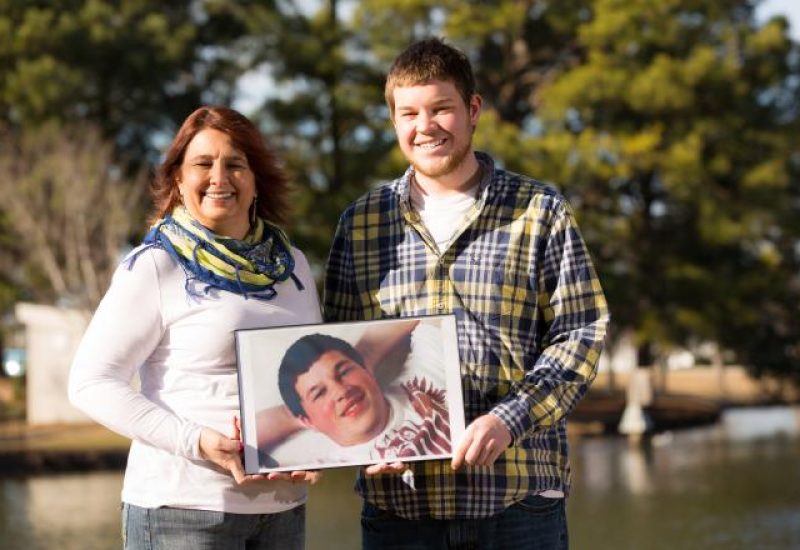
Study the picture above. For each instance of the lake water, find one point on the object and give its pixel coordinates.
(735, 485)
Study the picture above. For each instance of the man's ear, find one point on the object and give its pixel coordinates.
(475, 106)
(306, 422)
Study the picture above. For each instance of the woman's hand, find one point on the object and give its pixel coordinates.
(223, 451)
(298, 476)
(226, 453)
(385, 468)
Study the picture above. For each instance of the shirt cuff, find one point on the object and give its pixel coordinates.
(515, 416)
(190, 441)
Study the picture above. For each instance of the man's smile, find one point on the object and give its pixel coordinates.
(354, 404)
(430, 145)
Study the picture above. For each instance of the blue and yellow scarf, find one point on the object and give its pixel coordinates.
(250, 267)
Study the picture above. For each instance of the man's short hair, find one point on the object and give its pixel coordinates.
(428, 60)
(299, 358)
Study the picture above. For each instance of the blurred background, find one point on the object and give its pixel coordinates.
(671, 125)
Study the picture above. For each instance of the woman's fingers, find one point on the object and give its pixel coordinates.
(298, 476)
(222, 451)
(384, 468)
(237, 429)
(226, 453)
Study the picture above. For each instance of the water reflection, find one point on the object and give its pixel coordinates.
(751, 423)
(729, 486)
(732, 485)
(67, 512)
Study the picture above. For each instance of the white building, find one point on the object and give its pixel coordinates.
(51, 336)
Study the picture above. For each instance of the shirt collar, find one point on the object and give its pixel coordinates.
(404, 186)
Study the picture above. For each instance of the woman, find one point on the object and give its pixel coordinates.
(212, 263)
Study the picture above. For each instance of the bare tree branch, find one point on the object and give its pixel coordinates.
(72, 208)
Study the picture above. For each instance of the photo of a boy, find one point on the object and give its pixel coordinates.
(337, 409)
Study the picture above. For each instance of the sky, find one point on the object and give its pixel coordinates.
(789, 8)
(252, 85)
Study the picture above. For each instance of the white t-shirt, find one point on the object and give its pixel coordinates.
(443, 215)
(183, 349)
(418, 424)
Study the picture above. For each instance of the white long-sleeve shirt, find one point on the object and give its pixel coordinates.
(183, 349)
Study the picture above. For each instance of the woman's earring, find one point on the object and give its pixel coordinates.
(253, 209)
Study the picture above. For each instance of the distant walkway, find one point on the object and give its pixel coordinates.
(683, 398)
(600, 413)
(731, 386)
(686, 398)
(53, 448)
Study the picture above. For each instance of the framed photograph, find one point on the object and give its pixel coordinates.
(347, 394)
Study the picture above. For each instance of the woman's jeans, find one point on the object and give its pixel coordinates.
(184, 529)
(535, 523)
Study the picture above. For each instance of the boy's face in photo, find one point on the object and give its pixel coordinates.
(434, 126)
(342, 399)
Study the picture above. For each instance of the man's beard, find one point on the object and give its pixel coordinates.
(450, 164)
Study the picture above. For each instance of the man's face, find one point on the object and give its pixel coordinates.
(434, 129)
(342, 399)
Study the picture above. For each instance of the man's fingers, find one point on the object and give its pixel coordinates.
(497, 453)
(473, 455)
(460, 452)
(489, 454)
(483, 442)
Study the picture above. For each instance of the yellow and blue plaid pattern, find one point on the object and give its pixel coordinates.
(531, 319)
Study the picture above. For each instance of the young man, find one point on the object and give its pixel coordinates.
(502, 251)
(325, 384)
(332, 395)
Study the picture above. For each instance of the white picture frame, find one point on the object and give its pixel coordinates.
(406, 404)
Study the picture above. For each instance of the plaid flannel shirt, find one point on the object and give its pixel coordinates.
(531, 320)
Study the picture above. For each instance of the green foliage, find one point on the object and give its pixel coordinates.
(671, 125)
(672, 138)
(131, 70)
(132, 67)
(331, 126)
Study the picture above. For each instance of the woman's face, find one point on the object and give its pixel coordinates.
(216, 184)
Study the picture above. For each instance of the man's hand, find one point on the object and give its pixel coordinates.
(484, 440)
